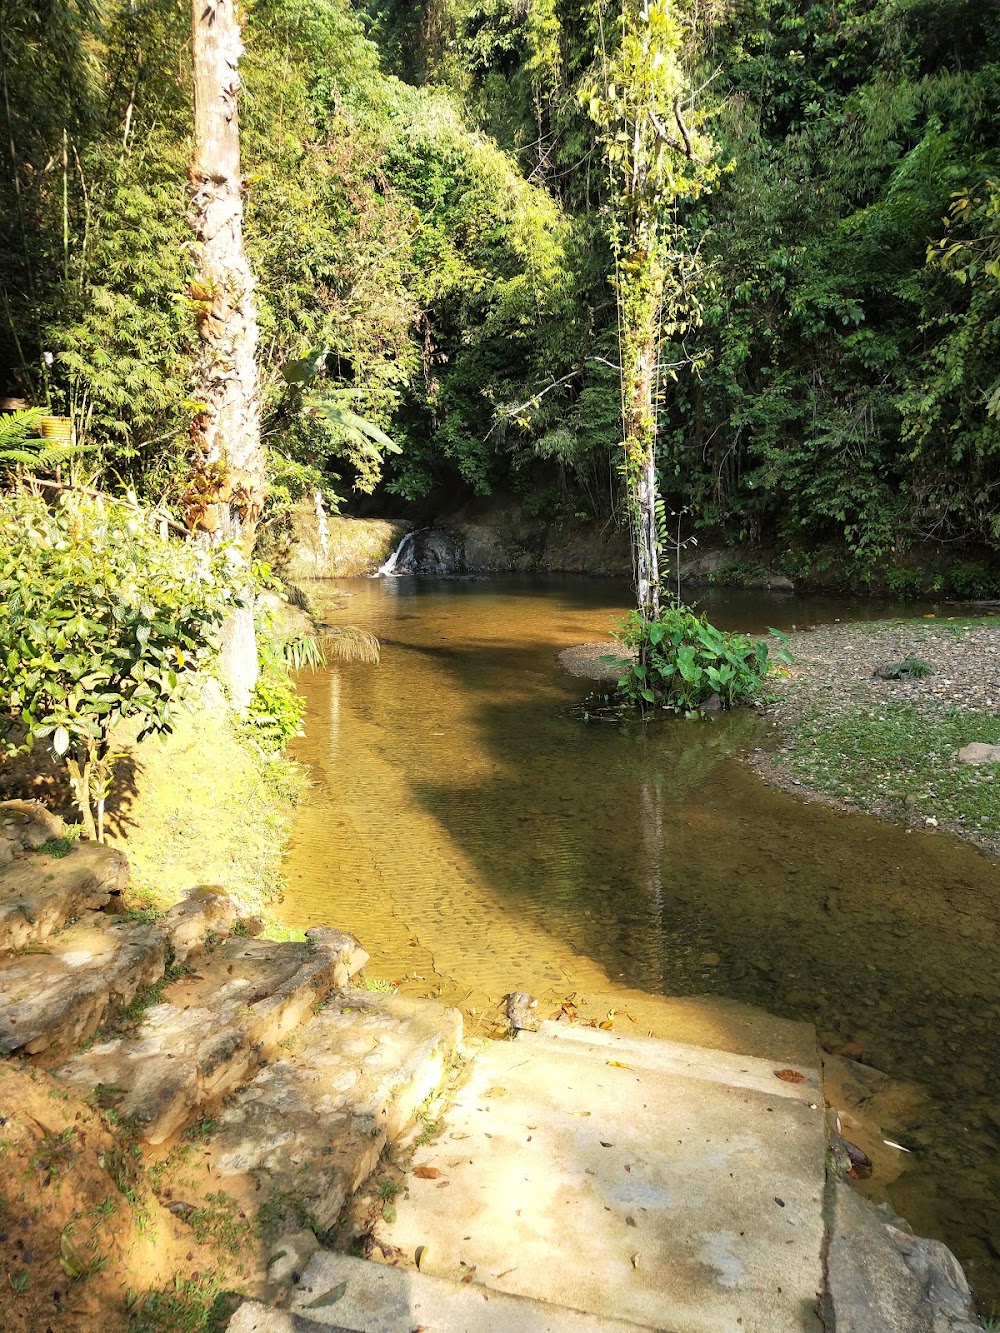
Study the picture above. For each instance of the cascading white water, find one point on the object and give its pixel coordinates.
(392, 565)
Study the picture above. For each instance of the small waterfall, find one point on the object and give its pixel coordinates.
(393, 566)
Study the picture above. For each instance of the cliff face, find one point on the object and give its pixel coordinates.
(337, 547)
(498, 538)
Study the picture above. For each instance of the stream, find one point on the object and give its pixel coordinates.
(479, 837)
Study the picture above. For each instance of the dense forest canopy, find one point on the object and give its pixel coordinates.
(426, 214)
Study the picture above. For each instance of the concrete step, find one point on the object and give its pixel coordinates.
(40, 893)
(58, 994)
(628, 1178)
(310, 1127)
(379, 1299)
(213, 1028)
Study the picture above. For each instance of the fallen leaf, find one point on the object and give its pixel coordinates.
(617, 1064)
(580, 1113)
(426, 1172)
(779, 1202)
(419, 1255)
(274, 1257)
(72, 1261)
(469, 1275)
(607, 1025)
(631, 1222)
(635, 1260)
(328, 1297)
(388, 1212)
(789, 1076)
(606, 1145)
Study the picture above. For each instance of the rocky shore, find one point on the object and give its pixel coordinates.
(850, 731)
(897, 718)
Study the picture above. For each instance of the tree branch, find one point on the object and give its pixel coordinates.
(688, 150)
(113, 499)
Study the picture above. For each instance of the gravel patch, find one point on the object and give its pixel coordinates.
(585, 659)
(888, 746)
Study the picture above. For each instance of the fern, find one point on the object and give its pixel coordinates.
(16, 427)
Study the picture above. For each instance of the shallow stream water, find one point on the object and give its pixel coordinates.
(479, 837)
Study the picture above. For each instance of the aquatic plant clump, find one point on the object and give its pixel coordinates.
(681, 662)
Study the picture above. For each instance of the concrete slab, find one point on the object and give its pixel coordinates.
(380, 1299)
(883, 1279)
(672, 1187)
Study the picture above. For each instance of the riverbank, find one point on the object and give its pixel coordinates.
(851, 733)
(889, 746)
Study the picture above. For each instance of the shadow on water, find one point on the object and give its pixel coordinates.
(480, 838)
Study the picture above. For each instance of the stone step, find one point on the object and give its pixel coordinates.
(57, 994)
(214, 1026)
(628, 1178)
(379, 1299)
(40, 893)
(311, 1125)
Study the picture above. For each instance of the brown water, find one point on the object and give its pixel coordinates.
(478, 838)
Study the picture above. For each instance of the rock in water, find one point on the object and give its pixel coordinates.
(519, 1007)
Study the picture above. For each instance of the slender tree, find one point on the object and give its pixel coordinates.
(227, 477)
(642, 103)
(226, 432)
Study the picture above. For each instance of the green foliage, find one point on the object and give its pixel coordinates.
(447, 241)
(101, 622)
(680, 661)
(898, 759)
(57, 847)
(276, 709)
(910, 668)
(198, 1305)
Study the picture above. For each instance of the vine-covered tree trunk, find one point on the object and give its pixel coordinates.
(655, 159)
(227, 488)
(640, 465)
(227, 431)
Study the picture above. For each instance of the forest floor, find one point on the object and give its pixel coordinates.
(888, 746)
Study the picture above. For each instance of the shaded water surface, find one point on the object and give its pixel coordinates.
(479, 838)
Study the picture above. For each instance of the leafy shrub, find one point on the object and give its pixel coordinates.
(101, 619)
(276, 708)
(974, 580)
(681, 661)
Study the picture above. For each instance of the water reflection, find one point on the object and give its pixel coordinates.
(478, 838)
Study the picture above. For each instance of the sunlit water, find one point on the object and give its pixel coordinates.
(478, 838)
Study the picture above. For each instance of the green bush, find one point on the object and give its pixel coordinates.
(276, 708)
(101, 620)
(681, 661)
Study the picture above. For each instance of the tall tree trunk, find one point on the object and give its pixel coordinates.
(227, 489)
(640, 463)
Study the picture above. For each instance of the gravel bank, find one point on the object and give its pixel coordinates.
(587, 660)
(888, 746)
